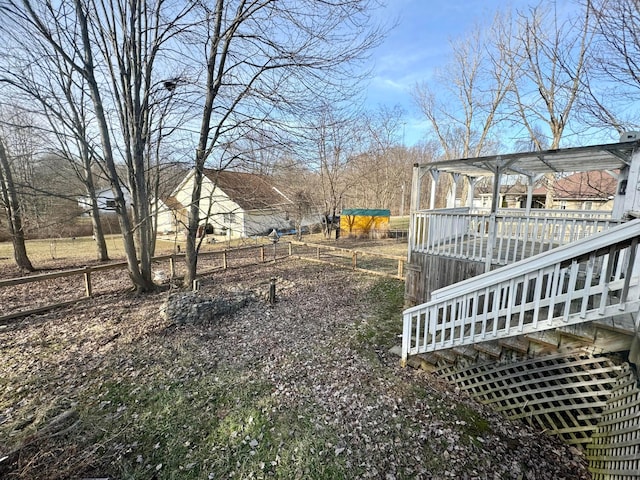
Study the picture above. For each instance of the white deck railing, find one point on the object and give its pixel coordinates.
(504, 237)
(548, 212)
(593, 278)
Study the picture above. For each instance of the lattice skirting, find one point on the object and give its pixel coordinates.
(590, 401)
(563, 395)
(614, 453)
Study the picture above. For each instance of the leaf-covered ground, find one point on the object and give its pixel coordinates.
(302, 389)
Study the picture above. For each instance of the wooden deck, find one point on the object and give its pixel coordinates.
(497, 239)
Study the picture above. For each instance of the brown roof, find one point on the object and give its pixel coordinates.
(581, 185)
(250, 191)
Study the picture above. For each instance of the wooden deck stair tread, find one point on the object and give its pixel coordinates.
(466, 351)
(491, 348)
(546, 338)
(519, 344)
(623, 323)
(448, 355)
(581, 332)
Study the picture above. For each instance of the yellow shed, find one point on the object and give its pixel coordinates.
(364, 222)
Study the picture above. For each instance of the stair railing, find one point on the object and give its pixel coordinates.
(592, 278)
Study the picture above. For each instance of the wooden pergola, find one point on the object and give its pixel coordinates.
(614, 158)
(448, 232)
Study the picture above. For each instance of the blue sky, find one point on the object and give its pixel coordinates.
(420, 44)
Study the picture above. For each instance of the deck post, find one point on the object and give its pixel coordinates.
(434, 183)
(472, 190)
(626, 202)
(529, 195)
(531, 181)
(451, 198)
(495, 200)
(414, 206)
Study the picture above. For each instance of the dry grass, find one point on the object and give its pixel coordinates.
(80, 250)
(50, 253)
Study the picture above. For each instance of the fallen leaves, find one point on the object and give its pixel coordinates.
(282, 385)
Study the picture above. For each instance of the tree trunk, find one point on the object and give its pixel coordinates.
(98, 232)
(192, 228)
(10, 200)
(140, 275)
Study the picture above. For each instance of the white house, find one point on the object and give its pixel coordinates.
(166, 218)
(235, 204)
(106, 202)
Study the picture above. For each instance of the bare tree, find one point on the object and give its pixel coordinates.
(381, 172)
(337, 140)
(613, 84)
(12, 209)
(266, 62)
(113, 46)
(547, 62)
(59, 92)
(475, 83)
(302, 208)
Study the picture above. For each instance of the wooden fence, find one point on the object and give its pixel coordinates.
(87, 279)
(66, 285)
(360, 260)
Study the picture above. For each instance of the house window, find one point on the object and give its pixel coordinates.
(229, 218)
(111, 204)
(587, 205)
(563, 204)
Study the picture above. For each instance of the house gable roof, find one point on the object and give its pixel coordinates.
(250, 191)
(583, 185)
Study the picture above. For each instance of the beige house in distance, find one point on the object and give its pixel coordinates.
(592, 190)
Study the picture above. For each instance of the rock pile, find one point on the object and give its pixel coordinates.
(193, 307)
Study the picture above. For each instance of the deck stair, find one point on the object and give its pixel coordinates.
(547, 340)
(595, 338)
(594, 279)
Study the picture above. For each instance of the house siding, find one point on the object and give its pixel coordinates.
(226, 216)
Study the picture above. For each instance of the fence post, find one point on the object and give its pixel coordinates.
(290, 248)
(354, 260)
(318, 253)
(400, 268)
(87, 281)
(224, 260)
(272, 291)
(262, 254)
(172, 265)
